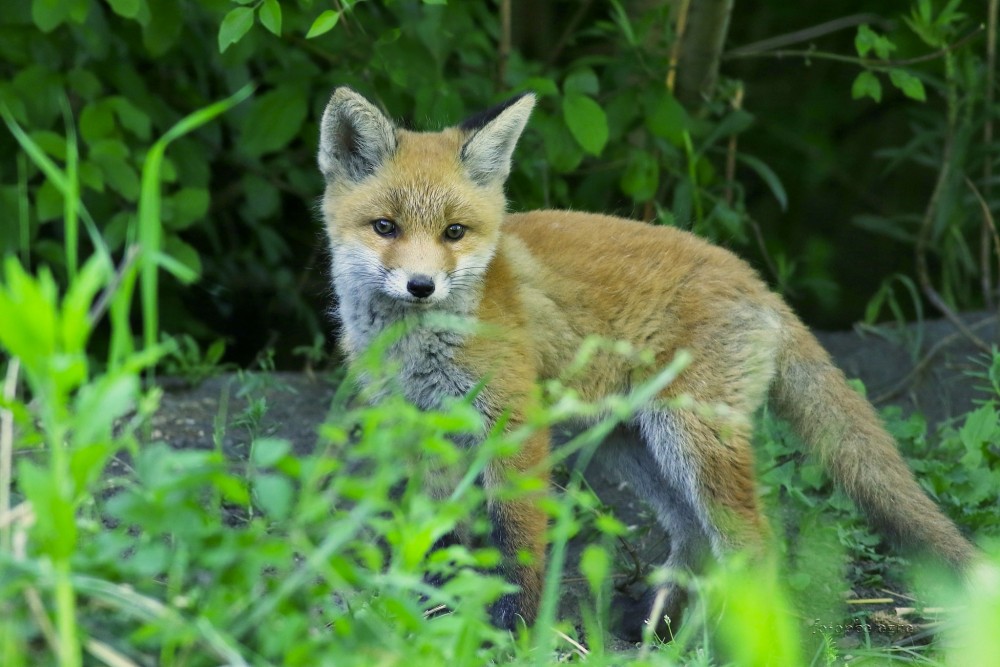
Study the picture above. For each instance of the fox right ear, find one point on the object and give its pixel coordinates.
(355, 138)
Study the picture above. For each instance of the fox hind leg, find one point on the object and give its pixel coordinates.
(698, 476)
(629, 458)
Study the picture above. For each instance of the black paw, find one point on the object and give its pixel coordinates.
(505, 612)
(631, 617)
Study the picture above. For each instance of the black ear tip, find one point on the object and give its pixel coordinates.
(482, 118)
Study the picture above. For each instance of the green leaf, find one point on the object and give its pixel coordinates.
(767, 175)
(324, 23)
(581, 82)
(666, 118)
(74, 322)
(981, 426)
(91, 176)
(270, 16)
(236, 24)
(54, 528)
(127, 8)
(28, 311)
(50, 142)
(131, 117)
(150, 559)
(595, 566)
(866, 84)
(266, 452)
(164, 26)
(184, 254)
(911, 86)
(732, 123)
(99, 404)
(891, 227)
(97, 122)
(435, 2)
(274, 120)
(110, 155)
(561, 150)
(729, 220)
(49, 14)
(48, 202)
(864, 40)
(586, 121)
(868, 40)
(541, 86)
(682, 203)
(274, 495)
(187, 206)
(641, 177)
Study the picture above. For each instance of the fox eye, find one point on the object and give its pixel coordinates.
(384, 227)
(454, 232)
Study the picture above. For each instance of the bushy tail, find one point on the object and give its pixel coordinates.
(843, 430)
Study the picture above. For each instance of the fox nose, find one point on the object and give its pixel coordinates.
(420, 286)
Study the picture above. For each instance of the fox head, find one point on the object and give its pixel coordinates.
(413, 217)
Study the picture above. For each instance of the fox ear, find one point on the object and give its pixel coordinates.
(492, 136)
(355, 138)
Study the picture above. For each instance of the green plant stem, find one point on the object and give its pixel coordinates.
(7, 451)
(150, 230)
(56, 177)
(69, 642)
(692, 166)
(561, 533)
(24, 221)
(71, 198)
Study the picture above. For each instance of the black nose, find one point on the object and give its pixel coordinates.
(420, 286)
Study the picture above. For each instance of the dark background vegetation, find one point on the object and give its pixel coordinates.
(828, 204)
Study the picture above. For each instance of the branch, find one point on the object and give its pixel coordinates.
(808, 54)
(806, 34)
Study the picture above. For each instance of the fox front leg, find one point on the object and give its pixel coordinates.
(518, 529)
(518, 532)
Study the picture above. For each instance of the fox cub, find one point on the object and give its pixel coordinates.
(418, 224)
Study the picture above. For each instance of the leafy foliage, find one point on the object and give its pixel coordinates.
(236, 210)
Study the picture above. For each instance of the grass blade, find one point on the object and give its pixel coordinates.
(150, 231)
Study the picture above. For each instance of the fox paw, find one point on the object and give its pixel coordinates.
(505, 612)
(630, 617)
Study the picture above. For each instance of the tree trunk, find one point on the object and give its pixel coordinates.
(701, 49)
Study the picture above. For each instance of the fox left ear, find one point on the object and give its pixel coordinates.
(355, 137)
(492, 136)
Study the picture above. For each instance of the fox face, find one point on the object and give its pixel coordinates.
(413, 218)
(418, 230)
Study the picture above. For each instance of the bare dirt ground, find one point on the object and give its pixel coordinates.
(919, 367)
